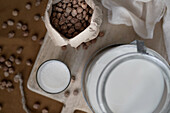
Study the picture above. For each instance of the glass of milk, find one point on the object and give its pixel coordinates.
(127, 79)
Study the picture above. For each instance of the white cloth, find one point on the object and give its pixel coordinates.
(142, 15)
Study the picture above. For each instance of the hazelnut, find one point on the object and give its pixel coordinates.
(18, 61)
(28, 5)
(84, 5)
(19, 25)
(4, 83)
(2, 88)
(4, 25)
(38, 2)
(69, 5)
(54, 14)
(94, 41)
(17, 77)
(73, 78)
(64, 47)
(45, 110)
(59, 4)
(85, 46)
(74, 13)
(88, 43)
(24, 27)
(66, 1)
(2, 58)
(91, 11)
(10, 89)
(74, 2)
(63, 27)
(69, 17)
(79, 10)
(66, 14)
(71, 30)
(8, 63)
(78, 26)
(69, 24)
(75, 34)
(75, 92)
(59, 10)
(80, 16)
(87, 17)
(34, 37)
(84, 14)
(68, 35)
(19, 50)
(12, 58)
(68, 10)
(41, 41)
(67, 93)
(10, 22)
(6, 74)
(5, 68)
(15, 12)
(36, 105)
(85, 25)
(58, 15)
(74, 20)
(25, 33)
(29, 62)
(11, 70)
(75, 6)
(9, 84)
(101, 34)
(82, 28)
(11, 34)
(64, 6)
(37, 17)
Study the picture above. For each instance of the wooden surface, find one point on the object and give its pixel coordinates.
(75, 59)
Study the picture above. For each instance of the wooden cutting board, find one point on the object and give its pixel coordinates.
(75, 59)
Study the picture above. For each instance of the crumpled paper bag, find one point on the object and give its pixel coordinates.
(91, 32)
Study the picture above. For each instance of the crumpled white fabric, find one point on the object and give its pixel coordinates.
(142, 15)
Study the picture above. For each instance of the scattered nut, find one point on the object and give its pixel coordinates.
(15, 12)
(36, 105)
(10, 89)
(85, 46)
(17, 77)
(101, 34)
(18, 61)
(9, 84)
(73, 78)
(10, 22)
(25, 33)
(5, 68)
(8, 63)
(29, 62)
(2, 58)
(88, 43)
(11, 70)
(41, 41)
(34, 37)
(1, 65)
(38, 2)
(19, 50)
(64, 47)
(12, 58)
(75, 92)
(19, 25)
(2, 88)
(28, 5)
(6, 74)
(67, 93)
(4, 25)
(11, 34)
(24, 27)
(45, 110)
(3, 83)
(94, 41)
(37, 17)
